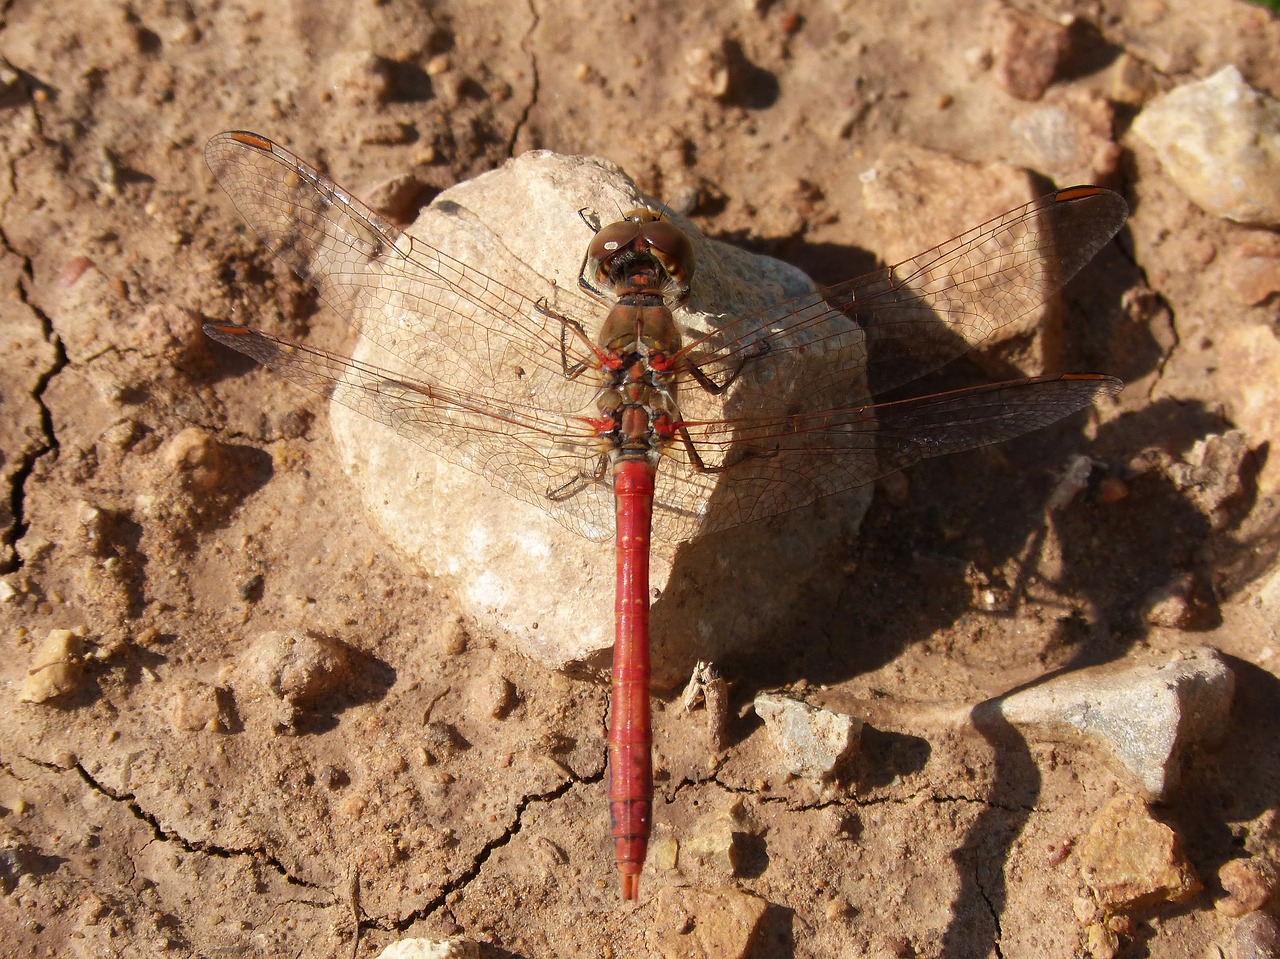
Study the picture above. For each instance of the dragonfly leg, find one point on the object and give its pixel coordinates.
(696, 458)
(580, 482)
(571, 370)
(714, 388)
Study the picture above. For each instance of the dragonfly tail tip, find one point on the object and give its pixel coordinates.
(630, 886)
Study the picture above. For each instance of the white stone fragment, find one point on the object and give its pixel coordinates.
(813, 741)
(1147, 715)
(455, 947)
(1219, 141)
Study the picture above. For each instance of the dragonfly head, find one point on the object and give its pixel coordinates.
(642, 252)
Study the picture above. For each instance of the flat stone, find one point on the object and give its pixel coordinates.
(1218, 139)
(1130, 860)
(813, 742)
(544, 585)
(1146, 715)
(706, 923)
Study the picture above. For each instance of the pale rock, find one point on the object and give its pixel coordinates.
(813, 742)
(1218, 139)
(57, 665)
(1130, 860)
(1252, 392)
(454, 947)
(1070, 138)
(1147, 715)
(534, 584)
(719, 838)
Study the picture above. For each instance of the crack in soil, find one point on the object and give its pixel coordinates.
(162, 834)
(855, 802)
(27, 461)
(526, 45)
(438, 901)
(992, 910)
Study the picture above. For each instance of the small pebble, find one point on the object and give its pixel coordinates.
(1028, 51)
(1181, 603)
(299, 668)
(361, 79)
(57, 666)
(1249, 884)
(499, 696)
(719, 839)
(74, 269)
(1112, 490)
(1218, 139)
(707, 72)
(1130, 860)
(197, 459)
(813, 742)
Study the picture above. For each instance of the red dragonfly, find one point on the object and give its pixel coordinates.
(507, 379)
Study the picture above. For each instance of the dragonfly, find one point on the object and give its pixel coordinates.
(599, 405)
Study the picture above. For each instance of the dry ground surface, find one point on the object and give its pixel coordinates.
(450, 785)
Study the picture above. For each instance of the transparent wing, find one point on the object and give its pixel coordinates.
(428, 310)
(480, 364)
(928, 310)
(532, 453)
(780, 463)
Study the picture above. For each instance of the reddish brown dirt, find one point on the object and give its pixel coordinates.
(451, 786)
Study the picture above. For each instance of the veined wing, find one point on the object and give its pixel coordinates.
(928, 310)
(527, 451)
(763, 466)
(422, 306)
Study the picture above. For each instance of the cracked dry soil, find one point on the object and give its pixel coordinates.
(169, 804)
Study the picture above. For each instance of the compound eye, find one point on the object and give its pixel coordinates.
(671, 248)
(611, 239)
